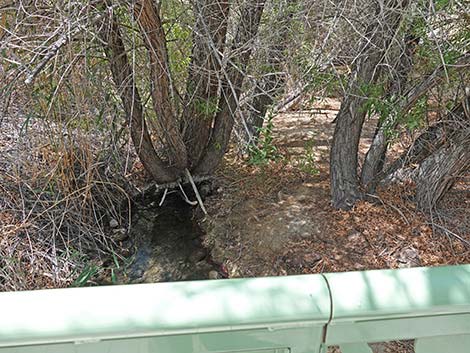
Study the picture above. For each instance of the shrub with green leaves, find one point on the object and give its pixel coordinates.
(265, 151)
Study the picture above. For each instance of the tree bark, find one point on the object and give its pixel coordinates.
(123, 77)
(148, 18)
(375, 157)
(250, 18)
(432, 80)
(435, 138)
(344, 181)
(438, 172)
(432, 137)
(424, 145)
(204, 74)
(271, 83)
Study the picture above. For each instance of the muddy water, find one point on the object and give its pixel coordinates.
(168, 244)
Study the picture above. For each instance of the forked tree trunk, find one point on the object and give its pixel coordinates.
(123, 77)
(148, 18)
(205, 74)
(375, 157)
(344, 181)
(205, 141)
(250, 18)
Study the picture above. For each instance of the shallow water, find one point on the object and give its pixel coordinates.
(168, 244)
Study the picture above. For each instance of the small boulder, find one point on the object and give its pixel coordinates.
(213, 274)
(113, 223)
(120, 234)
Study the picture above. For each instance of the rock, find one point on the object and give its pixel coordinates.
(306, 259)
(113, 223)
(120, 234)
(297, 261)
(197, 255)
(312, 258)
(354, 236)
(303, 198)
(213, 274)
(408, 257)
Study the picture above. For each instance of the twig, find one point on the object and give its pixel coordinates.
(163, 197)
(173, 185)
(196, 191)
(448, 232)
(390, 205)
(186, 198)
(54, 48)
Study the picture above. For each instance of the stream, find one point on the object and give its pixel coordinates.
(168, 243)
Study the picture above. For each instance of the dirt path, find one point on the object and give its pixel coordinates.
(277, 220)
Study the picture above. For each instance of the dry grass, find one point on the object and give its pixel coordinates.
(58, 190)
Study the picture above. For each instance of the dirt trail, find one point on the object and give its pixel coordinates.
(277, 220)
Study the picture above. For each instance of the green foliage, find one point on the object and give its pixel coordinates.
(414, 119)
(440, 5)
(87, 273)
(457, 38)
(177, 19)
(330, 83)
(218, 145)
(265, 151)
(207, 107)
(386, 109)
(91, 270)
(375, 103)
(307, 163)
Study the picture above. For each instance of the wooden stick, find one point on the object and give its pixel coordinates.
(198, 196)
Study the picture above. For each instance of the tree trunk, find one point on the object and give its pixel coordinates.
(271, 82)
(438, 173)
(433, 137)
(148, 18)
(123, 77)
(345, 188)
(222, 93)
(205, 74)
(442, 153)
(231, 87)
(425, 144)
(375, 157)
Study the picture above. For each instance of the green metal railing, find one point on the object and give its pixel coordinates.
(297, 314)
